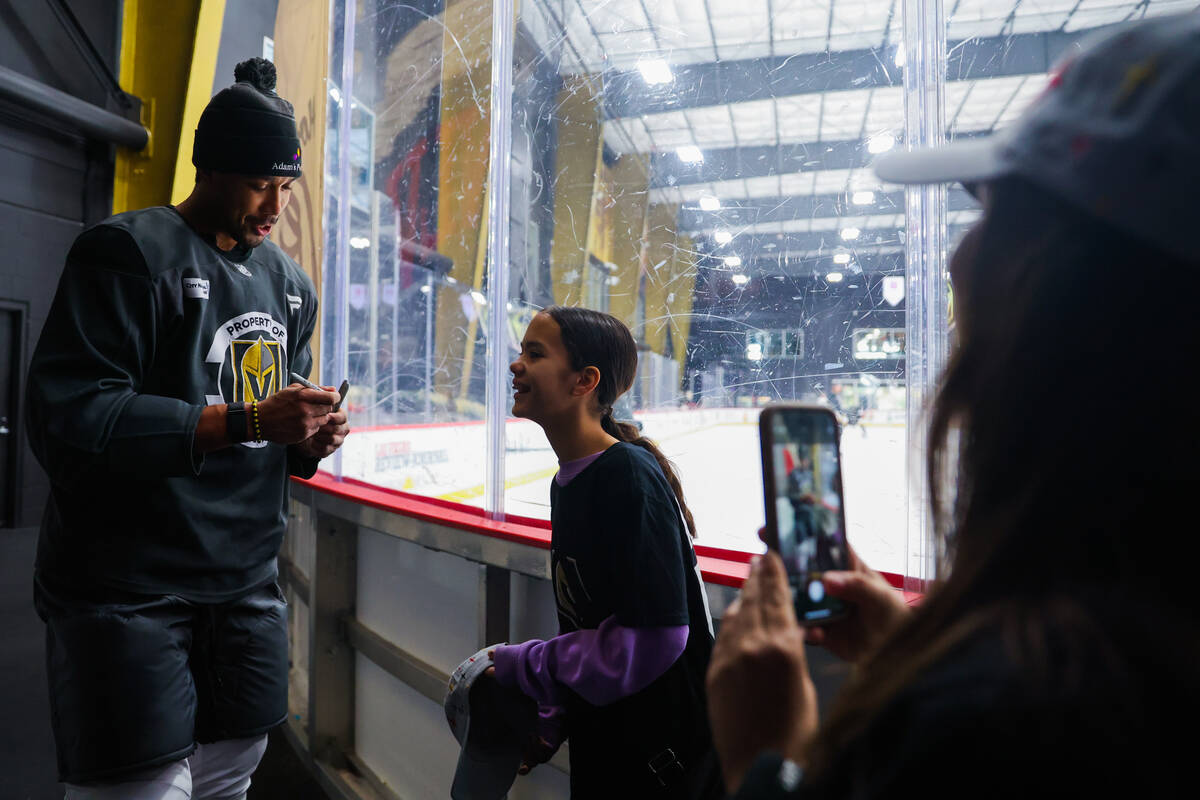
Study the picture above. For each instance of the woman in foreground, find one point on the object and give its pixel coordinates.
(1060, 654)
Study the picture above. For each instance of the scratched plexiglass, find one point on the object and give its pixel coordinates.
(698, 168)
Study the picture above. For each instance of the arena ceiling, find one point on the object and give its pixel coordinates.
(761, 117)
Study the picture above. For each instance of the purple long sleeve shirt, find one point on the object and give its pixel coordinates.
(601, 665)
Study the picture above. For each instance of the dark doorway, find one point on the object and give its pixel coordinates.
(12, 350)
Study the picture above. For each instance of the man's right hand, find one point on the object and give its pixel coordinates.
(294, 414)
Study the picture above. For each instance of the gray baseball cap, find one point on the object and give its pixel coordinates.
(492, 723)
(1116, 133)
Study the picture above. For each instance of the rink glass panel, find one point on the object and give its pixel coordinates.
(699, 170)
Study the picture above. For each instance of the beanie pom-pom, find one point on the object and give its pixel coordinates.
(258, 72)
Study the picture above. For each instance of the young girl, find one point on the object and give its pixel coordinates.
(625, 676)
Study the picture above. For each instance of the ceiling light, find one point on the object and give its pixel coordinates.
(881, 143)
(710, 203)
(754, 351)
(478, 297)
(426, 289)
(451, 281)
(655, 70)
(740, 279)
(690, 154)
(733, 261)
(360, 242)
(723, 237)
(834, 277)
(335, 94)
(899, 60)
(850, 234)
(841, 258)
(863, 198)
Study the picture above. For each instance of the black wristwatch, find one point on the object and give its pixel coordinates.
(235, 423)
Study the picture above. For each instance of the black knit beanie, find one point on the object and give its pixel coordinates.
(247, 128)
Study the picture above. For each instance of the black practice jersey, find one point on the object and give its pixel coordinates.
(151, 323)
(619, 548)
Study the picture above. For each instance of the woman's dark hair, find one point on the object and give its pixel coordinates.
(595, 339)
(1072, 511)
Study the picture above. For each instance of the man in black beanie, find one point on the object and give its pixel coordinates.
(160, 407)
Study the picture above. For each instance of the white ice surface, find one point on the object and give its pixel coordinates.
(722, 479)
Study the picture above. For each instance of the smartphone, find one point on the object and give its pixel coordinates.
(342, 394)
(802, 491)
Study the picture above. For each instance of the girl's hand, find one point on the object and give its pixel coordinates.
(537, 751)
(877, 610)
(760, 695)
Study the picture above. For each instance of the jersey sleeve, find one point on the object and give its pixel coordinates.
(302, 360)
(641, 530)
(87, 410)
(298, 464)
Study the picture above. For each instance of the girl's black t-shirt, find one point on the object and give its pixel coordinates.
(619, 548)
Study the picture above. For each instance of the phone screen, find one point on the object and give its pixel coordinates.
(804, 494)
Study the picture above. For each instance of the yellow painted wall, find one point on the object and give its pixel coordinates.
(575, 177)
(670, 280)
(660, 261)
(153, 36)
(410, 77)
(201, 72)
(602, 210)
(462, 174)
(683, 285)
(626, 216)
(302, 28)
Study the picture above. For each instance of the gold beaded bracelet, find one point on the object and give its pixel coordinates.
(254, 419)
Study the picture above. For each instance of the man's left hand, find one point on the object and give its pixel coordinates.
(328, 438)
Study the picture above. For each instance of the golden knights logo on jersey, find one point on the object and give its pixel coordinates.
(250, 351)
(256, 373)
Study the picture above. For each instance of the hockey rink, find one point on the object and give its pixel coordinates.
(719, 466)
(716, 453)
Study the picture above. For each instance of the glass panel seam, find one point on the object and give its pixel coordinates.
(925, 256)
(499, 177)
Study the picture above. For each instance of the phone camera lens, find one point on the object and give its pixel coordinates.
(816, 591)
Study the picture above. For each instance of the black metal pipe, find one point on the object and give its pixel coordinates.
(93, 121)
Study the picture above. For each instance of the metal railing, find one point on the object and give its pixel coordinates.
(92, 121)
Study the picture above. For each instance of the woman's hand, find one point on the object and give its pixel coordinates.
(760, 695)
(876, 610)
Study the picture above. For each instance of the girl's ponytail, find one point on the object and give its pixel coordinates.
(593, 338)
(629, 433)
